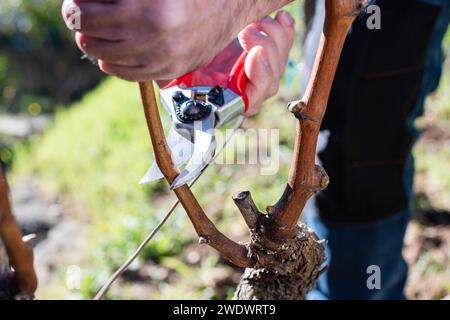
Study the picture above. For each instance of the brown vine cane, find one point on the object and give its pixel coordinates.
(306, 178)
(19, 253)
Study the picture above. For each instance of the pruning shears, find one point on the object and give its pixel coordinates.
(196, 111)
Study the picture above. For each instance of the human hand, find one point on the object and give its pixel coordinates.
(142, 40)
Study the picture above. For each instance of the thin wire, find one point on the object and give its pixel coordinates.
(104, 289)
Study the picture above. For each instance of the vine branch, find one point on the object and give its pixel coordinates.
(306, 178)
(19, 253)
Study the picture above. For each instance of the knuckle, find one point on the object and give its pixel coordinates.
(175, 49)
(89, 45)
(117, 71)
(139, 60)
(172, 22)
(175, 70)
(122, 75)
(92, 47)
(130, 77)
(164, 19)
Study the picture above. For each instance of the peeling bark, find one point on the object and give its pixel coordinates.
(285, 274)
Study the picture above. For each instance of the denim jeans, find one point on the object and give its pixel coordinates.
(353, 247)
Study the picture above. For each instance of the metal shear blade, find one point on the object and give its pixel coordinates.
(204, 149)
(182, 150)
(196, 111)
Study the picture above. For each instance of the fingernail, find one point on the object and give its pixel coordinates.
(287, 19)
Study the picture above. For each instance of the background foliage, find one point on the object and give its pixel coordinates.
(39, 65)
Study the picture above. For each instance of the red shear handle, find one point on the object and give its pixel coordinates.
(185, 80)
(237, 80)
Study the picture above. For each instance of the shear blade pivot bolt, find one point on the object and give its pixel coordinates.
(192, 110)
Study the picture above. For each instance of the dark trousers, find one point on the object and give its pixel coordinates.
(368, 132)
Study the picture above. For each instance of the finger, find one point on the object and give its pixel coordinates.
(276, 32)
(129, 73)
(118, 52)
(260, 76)
(251, 37)
(288, 24)
(138, 73)
(95, 18)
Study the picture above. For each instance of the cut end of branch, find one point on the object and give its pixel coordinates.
(30, 240)
(322, 177)
(360, 4)
(345, 8)
(240, 196)
(247, 207)
(297, 108)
